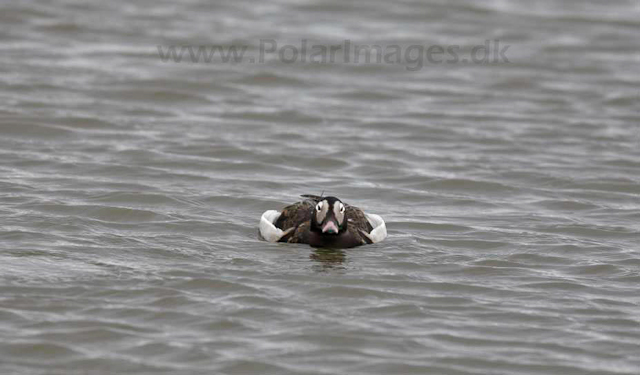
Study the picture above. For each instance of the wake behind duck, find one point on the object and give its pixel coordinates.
(322, 222)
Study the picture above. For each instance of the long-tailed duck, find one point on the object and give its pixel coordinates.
(322, 222)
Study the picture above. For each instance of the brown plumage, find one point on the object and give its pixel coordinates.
(298, 223)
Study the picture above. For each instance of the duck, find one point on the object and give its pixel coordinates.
(322, 222)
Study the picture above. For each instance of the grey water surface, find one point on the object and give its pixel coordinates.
(131, 186)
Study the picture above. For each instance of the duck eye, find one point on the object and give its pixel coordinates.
(319, 206)
(341, 207)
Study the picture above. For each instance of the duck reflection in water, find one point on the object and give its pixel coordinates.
(328, 259)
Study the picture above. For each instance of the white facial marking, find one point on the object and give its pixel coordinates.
(321, 211)
(338, 211)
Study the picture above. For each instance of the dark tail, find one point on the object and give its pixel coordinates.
(316, 198)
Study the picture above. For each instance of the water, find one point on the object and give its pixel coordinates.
(131, 188)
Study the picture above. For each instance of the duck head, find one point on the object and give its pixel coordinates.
(329, 217)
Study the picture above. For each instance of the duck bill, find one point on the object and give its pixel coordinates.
(330, 227)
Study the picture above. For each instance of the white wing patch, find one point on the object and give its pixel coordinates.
(269, 231)
(379, 231)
